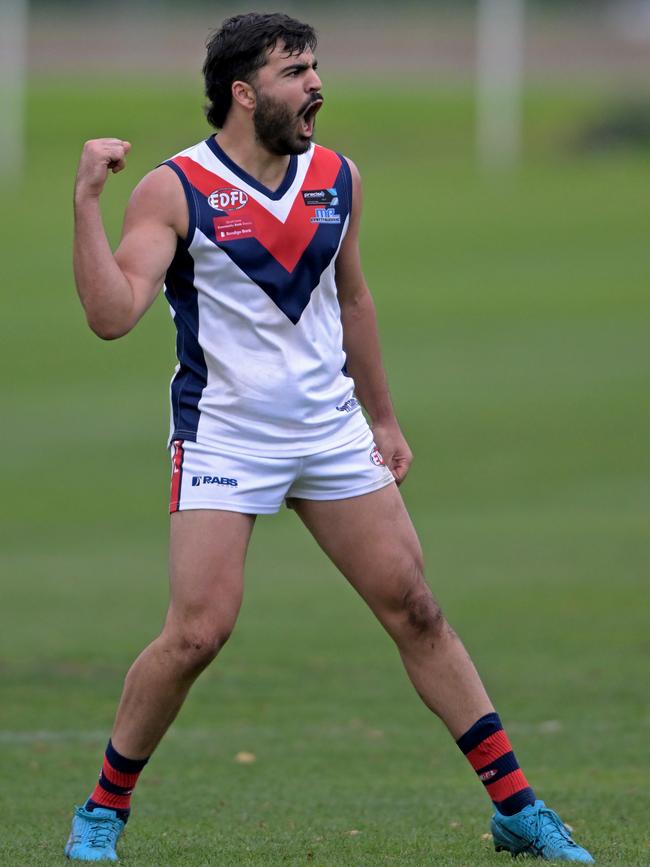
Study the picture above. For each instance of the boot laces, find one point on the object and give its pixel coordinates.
(553, 829)
(102, 834)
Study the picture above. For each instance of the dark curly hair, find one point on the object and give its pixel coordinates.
(239, 48)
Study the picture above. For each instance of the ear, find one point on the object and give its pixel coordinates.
(243, 94)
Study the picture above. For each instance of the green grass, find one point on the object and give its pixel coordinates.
(514, 313)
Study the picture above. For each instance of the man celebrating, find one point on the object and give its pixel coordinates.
(254, 233)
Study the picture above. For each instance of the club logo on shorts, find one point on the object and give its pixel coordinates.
(227, 199)
(213, 480)
(376, 457)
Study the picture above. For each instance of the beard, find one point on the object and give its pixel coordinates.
(276, 128)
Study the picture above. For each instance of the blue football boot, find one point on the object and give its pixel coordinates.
(536, 832)
(94, 835)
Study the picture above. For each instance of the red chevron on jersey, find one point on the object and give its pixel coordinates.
(285, 241)
(252, 289)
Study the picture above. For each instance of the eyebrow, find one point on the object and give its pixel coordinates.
(300, 67)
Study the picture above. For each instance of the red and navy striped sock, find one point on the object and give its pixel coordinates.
(488, 750)
(116, 783)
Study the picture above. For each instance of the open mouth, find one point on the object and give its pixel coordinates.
(308, 117)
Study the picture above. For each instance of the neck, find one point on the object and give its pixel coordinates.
(267, 168)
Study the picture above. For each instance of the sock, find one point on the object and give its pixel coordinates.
(116, 783)
(488, 750)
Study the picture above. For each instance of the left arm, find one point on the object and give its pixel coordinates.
(361, 344)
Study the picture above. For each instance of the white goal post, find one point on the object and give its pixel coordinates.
(499, 81)
(13, 80)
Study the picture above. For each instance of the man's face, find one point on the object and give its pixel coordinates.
(288, 97)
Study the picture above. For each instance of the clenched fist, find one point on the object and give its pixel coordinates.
(97, 157)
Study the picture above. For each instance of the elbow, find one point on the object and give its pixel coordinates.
(107, 330)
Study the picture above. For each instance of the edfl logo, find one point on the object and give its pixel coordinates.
(230, 199)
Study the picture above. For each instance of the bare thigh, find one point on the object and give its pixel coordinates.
(372, 541)
(207, 556)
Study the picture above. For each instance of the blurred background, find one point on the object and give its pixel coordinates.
(505, 151)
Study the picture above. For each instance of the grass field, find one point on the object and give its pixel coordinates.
(514, 314)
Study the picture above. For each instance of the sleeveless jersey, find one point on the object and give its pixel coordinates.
(261, 366)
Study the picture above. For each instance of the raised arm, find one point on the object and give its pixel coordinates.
(361, 344)
(116, 289)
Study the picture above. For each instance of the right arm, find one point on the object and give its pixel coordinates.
(116, 289)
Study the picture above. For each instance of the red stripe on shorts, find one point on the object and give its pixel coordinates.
(177, 475)
(489, 750)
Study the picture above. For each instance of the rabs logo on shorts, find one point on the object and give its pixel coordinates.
(213, 480)
(376, 457)
(228, 199)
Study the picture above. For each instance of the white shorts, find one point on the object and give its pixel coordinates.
(207, 478)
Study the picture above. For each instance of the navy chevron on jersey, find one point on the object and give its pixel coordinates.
(253, 295)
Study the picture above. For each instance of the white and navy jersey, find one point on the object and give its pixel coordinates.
(261, 367)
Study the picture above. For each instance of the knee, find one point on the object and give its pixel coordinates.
(423, 615)
(419, 617)
(194, 646)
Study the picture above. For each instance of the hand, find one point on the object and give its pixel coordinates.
(394, 449)
(97, 157)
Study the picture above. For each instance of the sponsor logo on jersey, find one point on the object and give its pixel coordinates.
(487, 775)
(233, 228)
(349, 405)
(328, 197)
(227, 199)
(326, 215)
(376, 457)
(213, 480)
